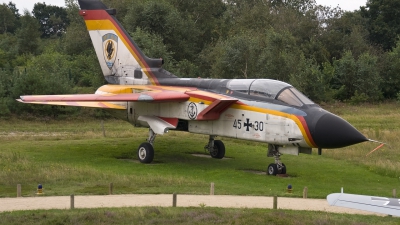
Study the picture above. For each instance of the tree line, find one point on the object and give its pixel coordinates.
(327, 53)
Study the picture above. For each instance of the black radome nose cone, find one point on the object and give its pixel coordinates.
(332, 131)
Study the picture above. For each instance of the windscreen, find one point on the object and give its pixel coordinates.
(294, 97)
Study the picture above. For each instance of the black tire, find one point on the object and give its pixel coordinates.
(283, 170)
(145, 153)
(272, 169)
(219, 150)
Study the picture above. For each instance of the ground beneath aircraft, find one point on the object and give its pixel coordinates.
(206, 156)
(165, 200)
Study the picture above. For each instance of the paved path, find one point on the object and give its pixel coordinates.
(165, 200)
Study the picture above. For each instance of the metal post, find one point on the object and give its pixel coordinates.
(110, 189)
(72, 202)
(212, 189)
(18, 190)
(174, 200)
(394, 193)
(305, 192)
(275, 206)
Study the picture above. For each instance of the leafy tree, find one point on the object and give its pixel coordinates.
(28, 35)
(53, 20)
(14, 10)
(84, 70)
(383, 24)
(301, 6)
(7, 19)
(17, 16)
(251, 55)
(6, 82)
(245, 15)
(389, 70)
(45, 74)
(153, 46)
(345, 76)
(234, 57)
(120, 6)
(8, 50)
(161, 18)
(206, 15)
(312, 81)
(357, 78)
(280, 55)
(368, 77)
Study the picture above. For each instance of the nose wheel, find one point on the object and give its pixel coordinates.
(278, 167)
(274, 169)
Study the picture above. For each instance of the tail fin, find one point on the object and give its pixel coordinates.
(121, 60)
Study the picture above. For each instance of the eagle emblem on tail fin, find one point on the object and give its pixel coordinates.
(110, 47)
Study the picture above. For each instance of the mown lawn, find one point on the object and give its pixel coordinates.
(175, 216)
(72, 156)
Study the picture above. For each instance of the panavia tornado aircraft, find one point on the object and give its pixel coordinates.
(260, 110)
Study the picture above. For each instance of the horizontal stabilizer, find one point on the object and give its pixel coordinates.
(388, 206)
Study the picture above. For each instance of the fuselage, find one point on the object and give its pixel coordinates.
(266, 111)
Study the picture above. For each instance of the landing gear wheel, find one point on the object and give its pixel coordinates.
(219, 150)
(283, 169)
(145, 153)
(272, 169)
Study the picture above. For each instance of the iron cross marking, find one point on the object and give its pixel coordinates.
(247, 124)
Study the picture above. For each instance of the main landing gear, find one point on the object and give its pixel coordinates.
(278, 167)
(145, 151)
(215, 147)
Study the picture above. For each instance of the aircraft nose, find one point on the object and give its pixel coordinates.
(332, 131)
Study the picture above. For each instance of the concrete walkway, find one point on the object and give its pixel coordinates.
(165, 200)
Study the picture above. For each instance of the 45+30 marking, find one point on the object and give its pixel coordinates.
(258, 125)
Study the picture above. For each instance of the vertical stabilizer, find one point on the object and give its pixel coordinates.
(121, 60)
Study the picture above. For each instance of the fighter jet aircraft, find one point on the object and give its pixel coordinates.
(145, 94)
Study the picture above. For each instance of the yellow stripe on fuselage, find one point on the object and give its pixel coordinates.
(108, 25)
(261, 110)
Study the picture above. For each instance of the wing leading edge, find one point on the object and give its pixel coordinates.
(389, 206)
(105, 100)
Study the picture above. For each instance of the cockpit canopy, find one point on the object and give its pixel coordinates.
(271, 90)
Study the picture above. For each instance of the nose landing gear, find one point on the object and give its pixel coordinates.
(278, 167)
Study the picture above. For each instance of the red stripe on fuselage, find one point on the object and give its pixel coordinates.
(305, 126)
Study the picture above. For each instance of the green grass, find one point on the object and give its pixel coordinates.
(166, 216)
(72, 157)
